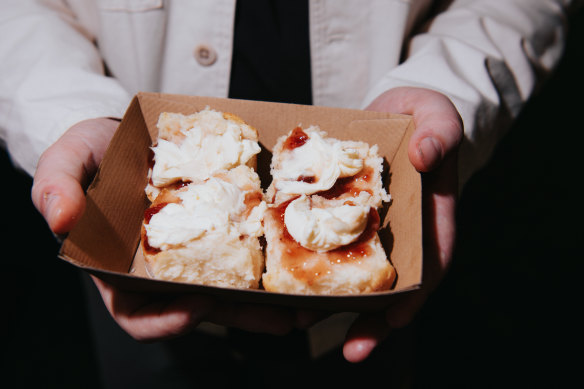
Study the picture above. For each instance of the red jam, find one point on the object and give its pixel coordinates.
(147, 248)
(308, 265)
(153, 210)
(307, 179)
(178, 184)
(353, 185)
(296, 139)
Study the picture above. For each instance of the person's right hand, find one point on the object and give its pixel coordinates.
(66, 168)
(58, 192)
(150, 317)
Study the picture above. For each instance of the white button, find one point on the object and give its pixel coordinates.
(205, 55)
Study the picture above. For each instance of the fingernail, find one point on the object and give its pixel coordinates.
(430, 151)
(48, 205)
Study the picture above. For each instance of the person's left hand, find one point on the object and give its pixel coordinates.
(433, 151)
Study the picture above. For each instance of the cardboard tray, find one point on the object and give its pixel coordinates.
(106, 240)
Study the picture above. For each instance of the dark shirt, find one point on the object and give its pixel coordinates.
(271, 52)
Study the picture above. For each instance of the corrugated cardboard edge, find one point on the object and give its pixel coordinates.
(116, 222)
(113, 270)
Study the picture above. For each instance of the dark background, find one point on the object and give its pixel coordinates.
(505, 316)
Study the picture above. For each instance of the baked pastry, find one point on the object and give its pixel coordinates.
(322, 220)
(207, 233)
(205, 219)
(191, 148)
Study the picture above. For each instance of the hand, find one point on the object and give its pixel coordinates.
(149, 318)
(58, 192)
(66, 168)
(433, 151)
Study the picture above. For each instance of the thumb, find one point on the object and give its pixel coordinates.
(438, 124)
(365, 334)
(65, 168)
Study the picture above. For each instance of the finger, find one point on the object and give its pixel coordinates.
(364, 335)
(439, 197)
(440, 193)
(306, 318)
(403, 311)
(165, 319)
(438, 124)
(253, 318)
(63, 171)
(57, 192)
(147, 320)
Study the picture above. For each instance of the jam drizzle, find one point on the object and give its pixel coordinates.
(147, 248)
(178, 184)
(352, 185)
(148, 213)
(153, 210)
(308, 265)
(307, 179)
(296, 139)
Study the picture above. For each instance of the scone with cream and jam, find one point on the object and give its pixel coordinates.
(191, 148)
(205, 220)
(322, 219)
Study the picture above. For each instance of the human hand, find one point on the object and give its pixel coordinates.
(433, 152)
(66, 168)
(148, 317)
(58, 192)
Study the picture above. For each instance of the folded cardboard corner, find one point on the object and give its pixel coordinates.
(105, 241)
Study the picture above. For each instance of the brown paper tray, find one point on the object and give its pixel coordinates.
(105, 242)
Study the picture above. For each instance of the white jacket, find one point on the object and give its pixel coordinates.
(486, 55)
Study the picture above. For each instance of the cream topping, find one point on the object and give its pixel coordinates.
(212, 206)
(209, 144)
(323, 160)
(324, 229)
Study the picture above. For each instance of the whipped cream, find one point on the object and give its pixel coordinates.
(324, 229)
(323, 160)
(210, 207)
(207, 143)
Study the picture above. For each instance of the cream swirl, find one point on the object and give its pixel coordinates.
(324, 229)
(213, 206)
(208, 144)
(316, 165)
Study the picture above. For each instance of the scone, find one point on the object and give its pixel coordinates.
(191, 148)
(207, 233)
(322, 220)
(205, 220)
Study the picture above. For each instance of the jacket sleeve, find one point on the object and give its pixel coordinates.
(52, 77)
(488, 57)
